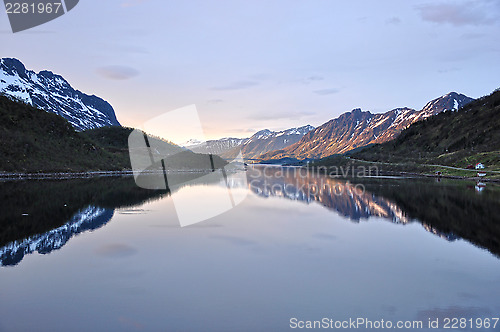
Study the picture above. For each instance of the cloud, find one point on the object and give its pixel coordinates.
(324, 92)
(311, 79)
(472, 35)
(393, 20)
(315, 78)
(215, 101)
(460, 14)
(325, 236)
(116, 250)
(117, 72)
(235, 240)
(239, 85)
(243, 130)
(280, 115)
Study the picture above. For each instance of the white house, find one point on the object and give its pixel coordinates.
(479, 166)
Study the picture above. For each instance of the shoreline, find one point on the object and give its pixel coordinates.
(403, 174)
(9, 176)
(454, 177)
(19, 176)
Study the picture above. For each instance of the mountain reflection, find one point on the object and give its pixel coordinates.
(348, 199)
(42, 216)
(88, 219)
(448, 209)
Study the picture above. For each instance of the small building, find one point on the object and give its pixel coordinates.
(479, 166)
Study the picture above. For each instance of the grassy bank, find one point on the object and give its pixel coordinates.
(350, 165)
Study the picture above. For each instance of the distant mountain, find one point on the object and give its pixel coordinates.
(262, 141)
(218, 146)
(451, 101)
(460, 138)
(267, 140)
(52, 93)
(359, 128)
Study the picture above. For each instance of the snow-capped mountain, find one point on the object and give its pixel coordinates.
(52, 93)
(262, 141)
(451, 101)
(359, 128)
(267, 140)
(217, 146)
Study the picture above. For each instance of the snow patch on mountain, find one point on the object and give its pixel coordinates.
(52, 93)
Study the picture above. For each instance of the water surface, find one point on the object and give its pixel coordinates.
(103, 254)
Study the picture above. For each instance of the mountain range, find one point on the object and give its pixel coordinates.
(52, 93)
(253, 146)
(352, 130)
(359, 128)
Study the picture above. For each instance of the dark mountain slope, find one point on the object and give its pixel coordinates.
(32, 140)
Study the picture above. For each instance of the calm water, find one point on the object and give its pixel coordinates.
(105, 255)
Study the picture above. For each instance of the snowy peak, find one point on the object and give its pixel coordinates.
(450, 101)
(218, 146)
(268, 134)
(267, 140)
(192, 142)
(52, 93)
(296, 131)
(14, 67)
(262, 134)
